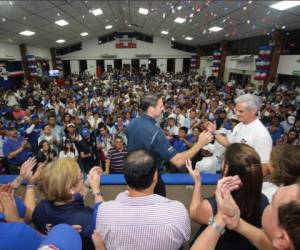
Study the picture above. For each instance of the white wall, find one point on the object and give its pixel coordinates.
(43, 53)
(160, 48)
(162, 65)
(74, 64)
(233, 66)
(108, 62)
(205, 66)
(91, 66)
(178, 65)
(145, 62)
(10, 51)
(288, 63)
(126, 61)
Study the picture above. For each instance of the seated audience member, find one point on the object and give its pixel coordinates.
(276, 131)
(87, 150)
(49, 136)
(69, 150)
(292, 138)
(115, 157)
(18, 113)
(172, 128)
(280, 221)
(181, 143)
(243, 161)
(45, 153)
(104, 142)
(284, 168)
(61, 184)
(138, 216)
(16, 149)
(212, 163)
(33, 131)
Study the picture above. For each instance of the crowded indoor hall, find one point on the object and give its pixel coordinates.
(155, 125)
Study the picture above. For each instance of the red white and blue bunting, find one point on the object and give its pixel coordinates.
(216, 61)
(263, 63)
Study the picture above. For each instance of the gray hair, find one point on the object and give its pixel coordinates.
(252, 102)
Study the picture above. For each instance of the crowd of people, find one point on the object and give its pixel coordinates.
(54, 132)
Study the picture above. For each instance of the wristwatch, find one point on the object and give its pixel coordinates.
(211, 222)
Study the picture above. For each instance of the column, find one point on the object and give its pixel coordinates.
(224, 53)
(23, 50)
(277, 42)
(53, 57)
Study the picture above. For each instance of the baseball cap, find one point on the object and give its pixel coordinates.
(85, 132)
(71, 125)
(61, 237)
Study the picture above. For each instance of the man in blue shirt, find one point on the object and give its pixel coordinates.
(16, 150)
(142, 133)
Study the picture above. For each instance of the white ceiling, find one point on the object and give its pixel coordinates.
(39, 16)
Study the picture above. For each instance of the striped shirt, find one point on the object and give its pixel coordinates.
(151, 222)
(116, 159)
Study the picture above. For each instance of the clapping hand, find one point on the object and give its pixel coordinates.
(94, 177)
(8, 203)
(227, 207)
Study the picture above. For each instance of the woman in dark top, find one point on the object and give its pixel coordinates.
(61, 184)
(45, 154)
(242, 160)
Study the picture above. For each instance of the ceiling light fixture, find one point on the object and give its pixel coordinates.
(283, 27)
(179, 20)
(215, 29)
(108, 27)
(143, 11)
(60, 41)
(284, 5)
(165, 32)
(61, 22)
(189, 38)
(84, 34)
(179, 7)
(27, 33)
(97, 12)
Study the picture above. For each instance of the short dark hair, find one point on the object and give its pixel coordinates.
(185, 129)
(139, 169)
(289, 218)
(150, 100)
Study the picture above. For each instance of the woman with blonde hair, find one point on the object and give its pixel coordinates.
(62, 186)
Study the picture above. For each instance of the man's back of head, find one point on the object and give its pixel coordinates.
(139, 169)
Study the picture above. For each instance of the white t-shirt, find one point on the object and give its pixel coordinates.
(69, 154)
(269, 189)
(255, 135)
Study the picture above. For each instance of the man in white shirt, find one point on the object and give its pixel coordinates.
(179, 118)
(250, 130)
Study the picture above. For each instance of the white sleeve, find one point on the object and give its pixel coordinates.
(30, 129)
(263, 147)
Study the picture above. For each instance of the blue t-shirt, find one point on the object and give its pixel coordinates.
(142, 133)
(179, 145)
(11, 145)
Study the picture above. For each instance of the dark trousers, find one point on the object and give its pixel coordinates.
(160, 187)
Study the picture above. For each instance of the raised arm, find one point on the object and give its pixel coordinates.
(180, 158)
